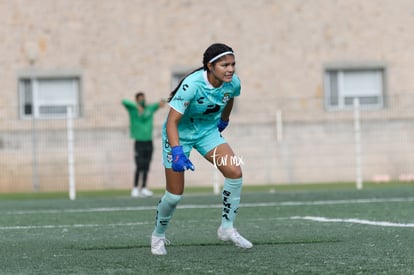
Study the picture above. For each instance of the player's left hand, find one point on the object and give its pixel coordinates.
(222, 125)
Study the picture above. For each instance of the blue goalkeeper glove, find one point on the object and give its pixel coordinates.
(222, 125)
(180, 162)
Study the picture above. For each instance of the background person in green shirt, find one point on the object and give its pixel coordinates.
(141, 116)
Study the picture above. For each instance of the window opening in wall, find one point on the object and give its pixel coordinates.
(343, 85)
(48, 97)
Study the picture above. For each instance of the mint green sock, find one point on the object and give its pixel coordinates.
(231, 200)
(165, 210)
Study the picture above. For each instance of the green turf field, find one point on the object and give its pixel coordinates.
(294, 231)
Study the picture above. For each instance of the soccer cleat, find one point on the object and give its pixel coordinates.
(135, 192)
(231, 234)
(158, 245)
(146, 192)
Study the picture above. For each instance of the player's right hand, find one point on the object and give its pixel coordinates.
(180, 162)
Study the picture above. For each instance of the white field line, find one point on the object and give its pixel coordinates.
(209, 206)
(309, 218)
(63, 226)
(357, 221)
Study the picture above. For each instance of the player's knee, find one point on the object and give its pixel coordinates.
(232, 172)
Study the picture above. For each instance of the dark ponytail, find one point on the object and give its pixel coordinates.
(211, 52)
(179, 84)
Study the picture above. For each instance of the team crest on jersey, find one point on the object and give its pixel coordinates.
(169, 157)
(226, 97)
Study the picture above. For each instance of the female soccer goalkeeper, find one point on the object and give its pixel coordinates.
(200, 108)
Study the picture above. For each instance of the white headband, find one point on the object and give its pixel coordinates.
(220, 55)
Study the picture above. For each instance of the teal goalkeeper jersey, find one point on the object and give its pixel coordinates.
(141, 125)
(201, 104)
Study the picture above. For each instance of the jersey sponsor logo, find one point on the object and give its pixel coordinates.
(178, 98)
(212, 109)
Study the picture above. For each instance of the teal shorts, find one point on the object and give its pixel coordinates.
(203, 144)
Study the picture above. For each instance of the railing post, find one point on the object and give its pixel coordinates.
(357, 132)
(71, 159)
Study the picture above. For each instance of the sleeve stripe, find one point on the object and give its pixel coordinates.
(176, 109)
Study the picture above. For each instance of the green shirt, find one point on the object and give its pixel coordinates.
(141, 125)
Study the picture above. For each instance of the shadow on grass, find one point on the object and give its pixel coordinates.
(125, 247)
